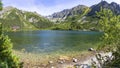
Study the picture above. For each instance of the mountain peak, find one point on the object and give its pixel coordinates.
(113, 3)
(15, 19)
(77, 10)
(8, 8)
(104, 2)
(112, 6)
(69, 12)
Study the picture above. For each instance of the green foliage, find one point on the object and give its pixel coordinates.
(38, 21)
(7, 58)
(110, 25)
(78, 16)
(1, 5)
(61, 26)
(79, 21)
(23, 20)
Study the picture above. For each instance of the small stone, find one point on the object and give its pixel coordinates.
(77, 65)
(43, 65)
(75, 60)
(52, 67)
(50, 62)
(61, 62)
(84, 66)
(90, 49)
(64, 58)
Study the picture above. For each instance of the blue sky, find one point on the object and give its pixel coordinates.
(47, 7)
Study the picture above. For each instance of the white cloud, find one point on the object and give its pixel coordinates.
(30, 5)
(117, 1)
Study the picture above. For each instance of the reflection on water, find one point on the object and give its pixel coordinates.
(52, 41)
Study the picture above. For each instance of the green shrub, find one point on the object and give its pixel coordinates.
(110, 25)
(7, 58)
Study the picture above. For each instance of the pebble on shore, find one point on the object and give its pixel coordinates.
(50, 62)
(90, 49)
(75, 60)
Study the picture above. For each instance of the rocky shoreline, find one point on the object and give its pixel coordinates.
(81, 63)
(83, 60)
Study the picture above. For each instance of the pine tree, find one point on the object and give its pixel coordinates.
(7, 58)
(1, 5)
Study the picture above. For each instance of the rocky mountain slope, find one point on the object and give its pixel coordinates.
(80, 9)
(15, 19)
(112, 6)
(82, 17)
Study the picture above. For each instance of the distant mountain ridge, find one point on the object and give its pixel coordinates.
(92, 10)
(82, 17)
(112, 6)
(69, 12)
(15, 19)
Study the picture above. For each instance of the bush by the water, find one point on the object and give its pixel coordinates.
(110, 25)
(7, 58)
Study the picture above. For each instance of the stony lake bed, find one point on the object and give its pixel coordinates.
(39, 48)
